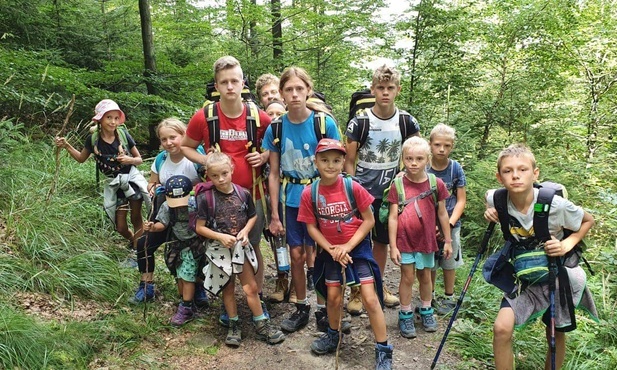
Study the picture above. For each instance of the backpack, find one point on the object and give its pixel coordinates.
(319, 124)
(214, 128)
(208, 189)
(384, 210)
(123, 133)
(531, 265)
(162, 156)
(348, 184)
(363, 100)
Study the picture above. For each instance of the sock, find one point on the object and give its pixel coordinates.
(406, 308)
(426, 304)
(260, 317)
(320, 306)
(302, 301)
(385, 344)
(235, 318)
(187, 303)
(449, 296)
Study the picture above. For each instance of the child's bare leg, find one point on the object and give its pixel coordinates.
(136, 218)
(375, 313)
(433, 279)
(229, 298)
(426, 288)
(449, 276)
(560, 347)
(188, 290)
(249, 285)
(380, 253)
(298, 275)
(122, 227)
(334, 306)
(180, 284)
(502, 339)
(406, 284)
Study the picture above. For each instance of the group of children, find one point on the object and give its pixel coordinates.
(313, 204)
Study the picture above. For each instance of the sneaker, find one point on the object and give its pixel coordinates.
(182, 316)
(224, 318)
(322, 323)
(282, 287)
(327, 342)
(292, 294)
(354, 305)
(144, 293)
(131, 260)
(406, 325)
(265, 332)
(445, 306)
(298, 319)
(265, 310)
(310, 285)
(383, 357)
(201, 297)
(234, 335)
(428, 320)
(389, 299)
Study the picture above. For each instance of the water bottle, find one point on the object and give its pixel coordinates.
(192, 202)
(282, 257)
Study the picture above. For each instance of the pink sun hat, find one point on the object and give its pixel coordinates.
(105, 106)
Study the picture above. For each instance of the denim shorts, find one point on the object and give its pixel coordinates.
(296, 232)
(422, 260)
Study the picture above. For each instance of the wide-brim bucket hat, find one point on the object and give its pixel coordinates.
(105, 106)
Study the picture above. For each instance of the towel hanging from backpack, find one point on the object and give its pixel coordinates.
(122, 182)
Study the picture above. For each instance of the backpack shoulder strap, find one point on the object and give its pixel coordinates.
(407, 124)
(432, 180)
(400, 190)
(252, 124)
(541, 211)
(314, 197)
(159, 160)
(500, 200)
(242, 194)
(277, 132)
(319, 121)
(363, 126)
(214, 127)
(348, 182)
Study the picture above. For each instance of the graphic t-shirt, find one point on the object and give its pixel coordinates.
(379, 157)
(231, 212)
(332, 201)
(298, 143)
(106, 159)
(454, 178)
(415, 234)
(233, 141)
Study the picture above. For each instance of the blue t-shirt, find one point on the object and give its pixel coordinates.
(454, 178)
(298, 143)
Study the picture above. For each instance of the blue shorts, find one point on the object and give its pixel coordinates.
(296, 232)
(422, 260)
(334, 276)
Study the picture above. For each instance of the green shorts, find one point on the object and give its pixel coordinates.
(422, 260)
(187, 270)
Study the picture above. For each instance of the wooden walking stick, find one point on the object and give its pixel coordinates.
(340, 318)
(54, 182)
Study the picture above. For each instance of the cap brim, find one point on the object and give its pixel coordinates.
(177, 202)
(100, 115)
(335, 149)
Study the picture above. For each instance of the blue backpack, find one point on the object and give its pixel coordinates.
(162, 156)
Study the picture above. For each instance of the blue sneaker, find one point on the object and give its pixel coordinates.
(265, 310)
(144, 293)
(383, 357)
(406, 325)
(201, 298)
(428, 320)
(224, 318)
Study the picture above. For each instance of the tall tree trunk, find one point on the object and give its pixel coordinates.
(277, 34)
(414, 55)
(149, 62)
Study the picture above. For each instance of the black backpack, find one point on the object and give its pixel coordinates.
(363, 100)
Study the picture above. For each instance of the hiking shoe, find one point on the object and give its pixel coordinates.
(326, 343)
(406, 325)
(292, 294)
(265, 310)
(144, 293)
(298, 319)
(234, 335)
(322, 323)
(389, 299)
(224, 318)
(445, 306)
(428, 320)
(310, 285)
(201, 297)
(282, 287)
(354, 305)
(182, 316)
(265, 332)
(383, 357)
(131, 260)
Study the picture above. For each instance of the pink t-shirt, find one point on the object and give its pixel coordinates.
(332, 201)
(414, 234)
(233, 141)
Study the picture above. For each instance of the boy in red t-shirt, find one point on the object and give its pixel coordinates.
(340, 223)
(413, 244)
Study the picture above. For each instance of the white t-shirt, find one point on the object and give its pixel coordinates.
(169, 168)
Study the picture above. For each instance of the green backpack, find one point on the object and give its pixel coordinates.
(384, 210)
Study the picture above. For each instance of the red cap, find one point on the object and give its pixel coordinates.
(330, 144)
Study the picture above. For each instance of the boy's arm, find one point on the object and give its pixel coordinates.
(189, 150)
(274, 185)
(461, 201)
(395, 254)
(350, 159)
(154, 227)
(368, 222)
(556, 248)
(444, 221)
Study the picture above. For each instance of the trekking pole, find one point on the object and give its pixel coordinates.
(552, 277)
(136, 244)
(483, 248)
(340, 317)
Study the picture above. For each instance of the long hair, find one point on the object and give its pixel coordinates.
(301, 73)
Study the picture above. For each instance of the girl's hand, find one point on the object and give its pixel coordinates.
(60, 142)
(243, 237)
(227, 240)
(395, 255)
(447, 250)
(124, 159)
